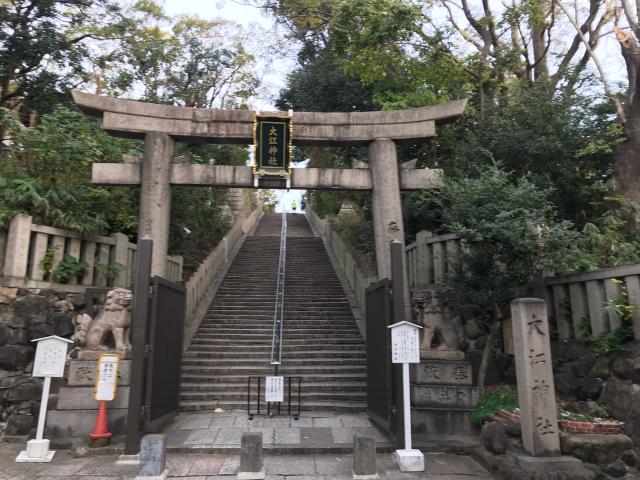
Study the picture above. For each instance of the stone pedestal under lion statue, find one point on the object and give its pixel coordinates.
(75, 408)
(442, 391)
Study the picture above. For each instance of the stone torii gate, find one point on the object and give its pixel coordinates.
(162, 125)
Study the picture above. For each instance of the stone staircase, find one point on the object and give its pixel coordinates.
(321, 341)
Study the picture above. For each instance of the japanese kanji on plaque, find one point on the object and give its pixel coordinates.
(405, 344)
(273, 143)
(107, 378)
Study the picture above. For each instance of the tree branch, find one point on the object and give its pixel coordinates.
(614, 99)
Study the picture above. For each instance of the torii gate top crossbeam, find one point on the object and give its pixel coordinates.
(130, 118)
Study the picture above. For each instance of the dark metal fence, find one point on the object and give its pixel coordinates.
(257, 405)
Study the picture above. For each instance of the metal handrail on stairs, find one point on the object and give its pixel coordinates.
(278, 315)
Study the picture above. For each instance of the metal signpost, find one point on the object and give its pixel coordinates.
(405, 349)
(51, 353)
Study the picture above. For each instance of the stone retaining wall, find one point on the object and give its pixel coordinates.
(25, 316)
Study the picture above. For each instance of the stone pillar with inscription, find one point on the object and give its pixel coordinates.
(536, 391)
(443, 397)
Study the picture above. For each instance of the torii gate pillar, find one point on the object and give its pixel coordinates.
(386, 201)
(155, 196)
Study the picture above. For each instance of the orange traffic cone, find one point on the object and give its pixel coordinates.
(101, 436)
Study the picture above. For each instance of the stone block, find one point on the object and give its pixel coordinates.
(78, 423)
(251, 461)
(18, 424)
(81, 398)
(442, 421)
(409, 460)
(83, 373)
(600, 449)
(32, 310)
(434, 372)
(15, 357)
(527, 463)
(442, 396)
(153, 452)
(364, 457)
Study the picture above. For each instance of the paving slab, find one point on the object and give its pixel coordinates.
(202, 436)
(287, 436)
(289, 464)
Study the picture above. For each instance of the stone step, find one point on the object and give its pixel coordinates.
(187, 377)
(291, 343)
(268, 329)
(218, 349)
(289, 336)
(241, 387)
(305, 396)
(240, 362)
(287, 355)
(319, 406)
(268, 370)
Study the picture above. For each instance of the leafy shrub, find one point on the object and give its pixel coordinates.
(504, 398)
(68, 269)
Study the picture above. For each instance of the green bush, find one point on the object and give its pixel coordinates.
(68, 269)
(493, 400)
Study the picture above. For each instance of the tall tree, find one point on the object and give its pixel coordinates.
(43, 44)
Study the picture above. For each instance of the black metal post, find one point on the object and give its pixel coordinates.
(139, 323)
(398, 296)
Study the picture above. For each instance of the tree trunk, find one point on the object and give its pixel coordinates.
(537, 21)
(627, 158)
(494, 327)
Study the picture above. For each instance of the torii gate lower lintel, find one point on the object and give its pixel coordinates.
(161, 125)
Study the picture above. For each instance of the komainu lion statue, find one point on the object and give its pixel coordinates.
(440, 335)
(114, 320)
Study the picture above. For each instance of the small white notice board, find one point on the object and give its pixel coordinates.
(274, 389)
(51, 353)
(107, 378)
(405, 343)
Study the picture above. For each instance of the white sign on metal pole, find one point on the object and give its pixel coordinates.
(51, 353)
(274, 389)
(405, 349)
(107, 378)
(405, 343)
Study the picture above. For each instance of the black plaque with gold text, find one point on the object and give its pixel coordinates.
(272, 138)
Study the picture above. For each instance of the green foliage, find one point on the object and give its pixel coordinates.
(507, 225)
(45, 173)
(43, 45)
(110, 272)
(68, 269)
(504, 398)
(357, 230)
(46, 264)
(611, 240)
(561, 142)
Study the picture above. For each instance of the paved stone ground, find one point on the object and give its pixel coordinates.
(224, 467)
(314, 447)
(317, 431)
